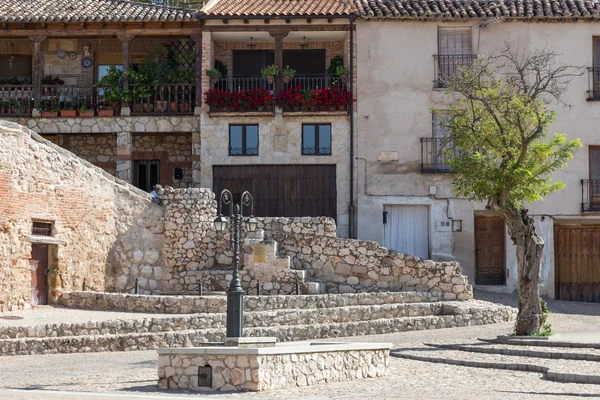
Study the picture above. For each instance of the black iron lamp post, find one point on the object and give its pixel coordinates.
(235, 293)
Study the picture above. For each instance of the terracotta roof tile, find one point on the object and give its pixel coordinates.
(278, 7)
(465, 9)
(88, 11)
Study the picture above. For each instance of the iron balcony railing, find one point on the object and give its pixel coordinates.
(16, 100)
(448, 65)
(590, 195)
(177, 98)
(433, 158)
(593, 83)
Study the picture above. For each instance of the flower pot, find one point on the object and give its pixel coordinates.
(186, 107)
(151, 107)
(106, 113)
(137, 108)
(173, 107)
(270, 80)
(49, 114)
(286, 78)
(86, 113)
(180, 107)
(343, 78)
(145, 107)
(114, 105)
(68, 113)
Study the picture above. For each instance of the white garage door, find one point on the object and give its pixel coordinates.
(407, 230)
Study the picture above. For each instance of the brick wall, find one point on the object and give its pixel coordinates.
(104, 229)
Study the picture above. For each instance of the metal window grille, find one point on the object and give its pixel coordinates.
(42, 228)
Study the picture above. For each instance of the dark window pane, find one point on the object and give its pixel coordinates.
(324, 139)
(308, 139)
(235, 137)
(252, 140)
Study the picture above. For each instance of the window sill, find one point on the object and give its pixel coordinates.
(337, 113)
(242, 114)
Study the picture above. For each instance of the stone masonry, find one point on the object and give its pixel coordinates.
(343, 265)
(100, 225)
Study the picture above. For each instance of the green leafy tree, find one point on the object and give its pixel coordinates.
(498, 147)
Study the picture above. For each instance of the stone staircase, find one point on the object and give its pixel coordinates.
(294, 318)
(262, 265)
(555, 360)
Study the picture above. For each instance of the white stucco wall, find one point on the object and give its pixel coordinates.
(394, 99)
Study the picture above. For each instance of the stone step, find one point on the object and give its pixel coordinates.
(304, 316)
(526, 351)
(562, 370)
(191, 338)
(188, 304)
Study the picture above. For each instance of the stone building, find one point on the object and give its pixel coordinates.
(404, 188)
(286, 137)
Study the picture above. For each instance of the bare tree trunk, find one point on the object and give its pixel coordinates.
(529, 258)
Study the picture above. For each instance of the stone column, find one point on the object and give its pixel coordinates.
(37, 71)
(207, 63)
(279, 35)
(196, 164)
(124, 162)
(125, 41)
(197, 37)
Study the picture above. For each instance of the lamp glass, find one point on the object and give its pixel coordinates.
(220, 223)
(251, 224)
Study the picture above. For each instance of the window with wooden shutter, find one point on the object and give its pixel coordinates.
(455, 48)
(593, 184)
(454, 41)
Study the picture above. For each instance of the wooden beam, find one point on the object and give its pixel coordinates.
(278, 36)
(97, 32)
(197, 38)
(37, 69)
(271, 28)
(125, 41)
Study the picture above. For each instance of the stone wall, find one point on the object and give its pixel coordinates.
(280, 142)
(99, 149)
(343, 265)
(128, 145)
(272, 368)
(103, 228)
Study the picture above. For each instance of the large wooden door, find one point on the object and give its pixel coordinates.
(489, 251)
(39, 274)
(577, 263)
(282, 190)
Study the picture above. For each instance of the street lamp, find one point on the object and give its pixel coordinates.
(235, 293)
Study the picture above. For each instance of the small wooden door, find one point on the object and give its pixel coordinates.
(39, 274)
(577, 263)
(489, 251)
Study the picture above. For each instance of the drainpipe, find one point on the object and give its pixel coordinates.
(351, 210)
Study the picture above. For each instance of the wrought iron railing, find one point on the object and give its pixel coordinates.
(16, 100)
(163, 99)
(590, 195)
(594, 83)
(232, 94)
(243, 151)
(448, 65)
(433, 156)
(315, 82)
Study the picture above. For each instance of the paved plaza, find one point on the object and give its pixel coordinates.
(132, 375)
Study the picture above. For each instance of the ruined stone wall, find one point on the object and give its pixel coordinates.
(343, 265)
(103, 229)
(99, 149)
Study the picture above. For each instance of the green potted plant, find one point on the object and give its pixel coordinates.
(85, 110)
(112, 86)
(106, 110)
(49, 108)
(342, 72)
(213, 75)
(67, 109)
(269, 73)
(288, 74)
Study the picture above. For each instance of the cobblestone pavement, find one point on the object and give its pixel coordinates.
(132, 375)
